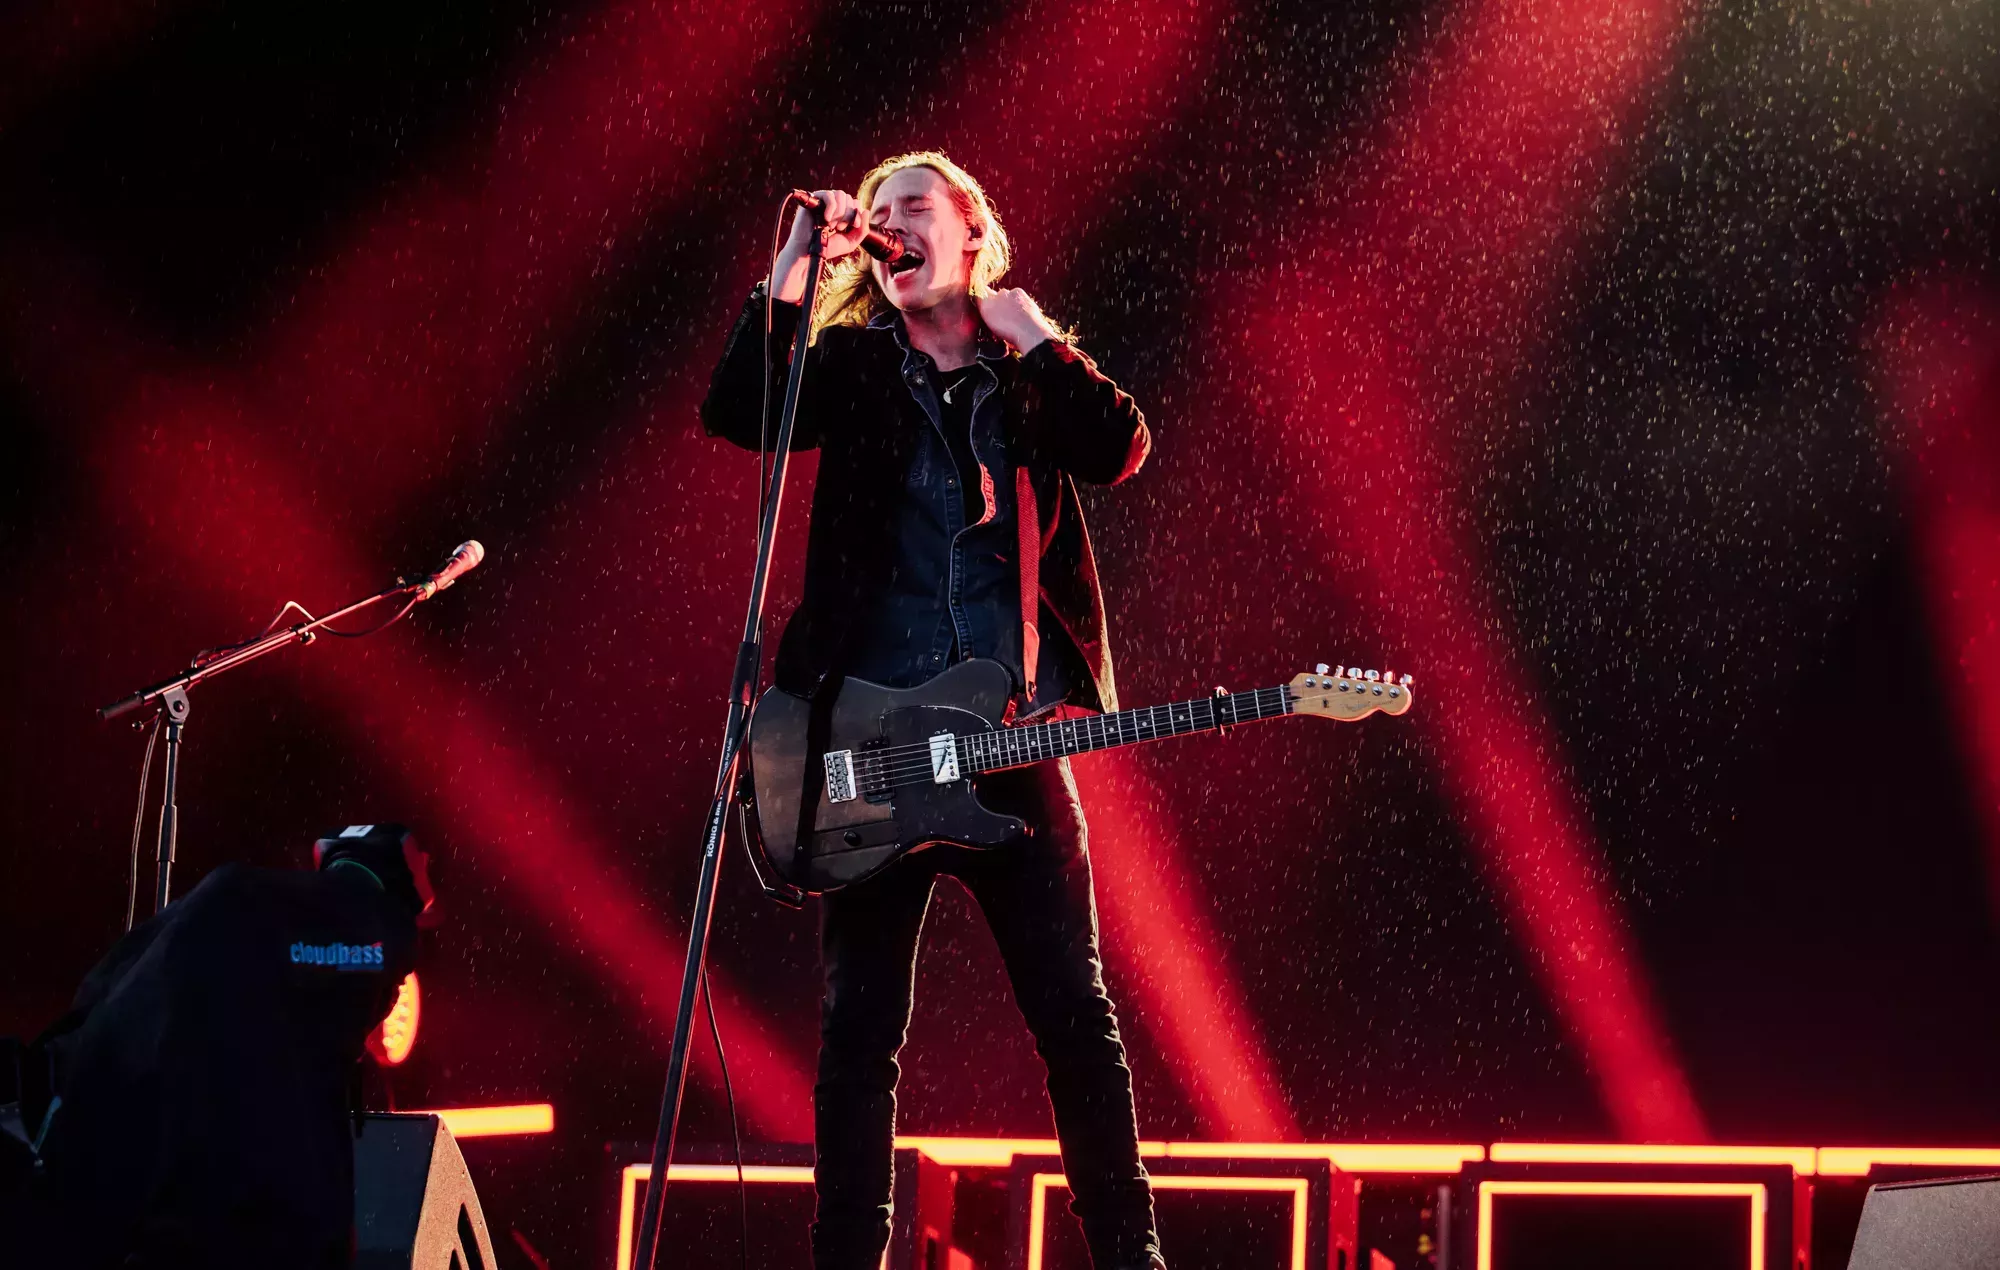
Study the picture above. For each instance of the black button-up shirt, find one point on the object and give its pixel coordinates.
(955, 587)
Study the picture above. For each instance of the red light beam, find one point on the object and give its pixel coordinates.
(1937, 352)
(1433, 280)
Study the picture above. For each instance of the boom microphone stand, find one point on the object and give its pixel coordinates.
(749, 659)
(171, 695)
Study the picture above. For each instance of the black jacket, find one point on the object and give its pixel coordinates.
(1062, 419)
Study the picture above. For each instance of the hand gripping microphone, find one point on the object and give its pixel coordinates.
(885, 246)
(463, 561)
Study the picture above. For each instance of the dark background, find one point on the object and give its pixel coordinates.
(295, 302)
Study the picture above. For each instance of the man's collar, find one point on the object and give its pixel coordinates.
(986, 345)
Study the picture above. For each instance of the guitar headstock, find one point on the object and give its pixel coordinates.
(1349, 692)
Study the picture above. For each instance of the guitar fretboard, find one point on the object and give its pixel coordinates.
(1038, 742)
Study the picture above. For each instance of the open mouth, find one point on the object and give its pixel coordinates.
(908, 262)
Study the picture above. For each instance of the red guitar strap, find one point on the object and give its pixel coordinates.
(1028, 524)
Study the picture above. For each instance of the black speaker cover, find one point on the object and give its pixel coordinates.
(414, 1206)
(1948, 1224)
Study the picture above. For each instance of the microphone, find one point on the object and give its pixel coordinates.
(463, 561)
(885, 246)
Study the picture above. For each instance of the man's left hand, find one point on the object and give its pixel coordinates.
(1014, 316)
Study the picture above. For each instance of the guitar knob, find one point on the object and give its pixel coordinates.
(1320, 669)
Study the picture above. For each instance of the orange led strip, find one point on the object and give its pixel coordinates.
(993, 1153)
(628, 1189)
(1802, 1159)
(1752, 1191)
(1857, 1161)
(1441, 1158)
(493, 1122)
(1348, 1158)
(1296, 1187)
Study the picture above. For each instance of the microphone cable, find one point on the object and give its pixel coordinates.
(735, 1135)
(138, 823)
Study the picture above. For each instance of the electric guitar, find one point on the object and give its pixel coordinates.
(844, 789)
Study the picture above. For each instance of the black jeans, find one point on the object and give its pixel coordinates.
(1036, 895)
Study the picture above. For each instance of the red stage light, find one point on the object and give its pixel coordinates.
(345, 371)
(1148, 902)
(1442, 261)
(1938, 353)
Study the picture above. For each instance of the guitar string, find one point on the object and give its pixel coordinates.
(1095, 733)
(1037, 735)
(922, 748)
(923, 776)
(1071, 737)
(1025, 754)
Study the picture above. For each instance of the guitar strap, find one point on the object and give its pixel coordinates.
(1028, 524)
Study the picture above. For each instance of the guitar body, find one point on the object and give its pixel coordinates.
(819, 844)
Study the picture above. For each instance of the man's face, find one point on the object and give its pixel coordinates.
(939, 245)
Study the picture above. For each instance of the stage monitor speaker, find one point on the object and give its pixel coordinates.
(1949, 1224)
(414, 1206)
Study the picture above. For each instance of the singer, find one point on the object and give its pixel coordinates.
(954, 420)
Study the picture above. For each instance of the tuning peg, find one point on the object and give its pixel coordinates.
(1388, 676)
(1373, 676)
(1320, 669)
(1406, 681)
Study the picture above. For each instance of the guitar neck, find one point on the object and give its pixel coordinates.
(1039, 742)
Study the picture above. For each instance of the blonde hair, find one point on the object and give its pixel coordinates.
(848, 295)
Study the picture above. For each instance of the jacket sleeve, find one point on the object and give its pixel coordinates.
(1088, 426)
(734, 407)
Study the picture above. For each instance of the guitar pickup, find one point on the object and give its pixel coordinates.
(944, 758)
(840, 776)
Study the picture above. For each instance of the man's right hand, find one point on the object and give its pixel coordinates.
(845, 229)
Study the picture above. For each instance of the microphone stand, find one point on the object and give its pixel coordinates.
(171, 696)
(749, 660)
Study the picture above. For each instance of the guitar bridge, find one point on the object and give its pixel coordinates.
(839, 776)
